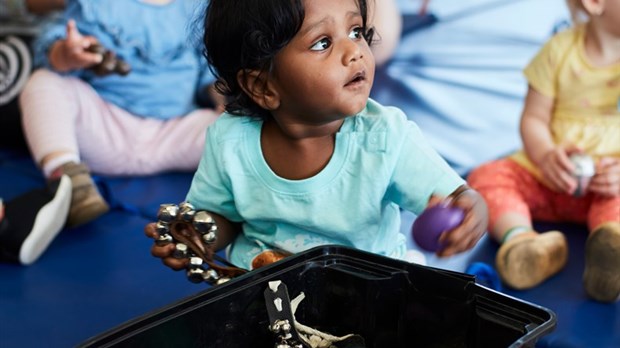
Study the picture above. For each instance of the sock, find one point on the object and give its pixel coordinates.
(56, 162)
(514, 231)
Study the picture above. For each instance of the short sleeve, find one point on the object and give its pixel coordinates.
(211, 189)
(420, 172)
(541, 72)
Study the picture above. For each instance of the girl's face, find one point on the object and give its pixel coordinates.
(326, 71)
(611, 17)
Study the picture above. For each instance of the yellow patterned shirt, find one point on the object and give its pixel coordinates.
(586, 111)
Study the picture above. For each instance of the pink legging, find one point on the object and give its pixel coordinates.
(508, 187)
(61, 113)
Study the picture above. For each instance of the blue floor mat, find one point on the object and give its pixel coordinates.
(100, 275)
(581, 322)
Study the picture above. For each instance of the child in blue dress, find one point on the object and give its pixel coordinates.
(302, 157)
(77, 120)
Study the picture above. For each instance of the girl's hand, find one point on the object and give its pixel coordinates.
(606, 181)
(473, 227)
(164, 252)
(557, 168)
(72, 52)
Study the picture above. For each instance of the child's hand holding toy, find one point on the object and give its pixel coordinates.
(78, 51)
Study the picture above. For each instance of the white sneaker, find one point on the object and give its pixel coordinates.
(32, 220)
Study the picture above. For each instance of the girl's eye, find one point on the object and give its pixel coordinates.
(320, 45)
(356, 33)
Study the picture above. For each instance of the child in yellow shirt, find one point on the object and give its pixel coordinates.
(572, 107)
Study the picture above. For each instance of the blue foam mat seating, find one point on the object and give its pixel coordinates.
(100, 275)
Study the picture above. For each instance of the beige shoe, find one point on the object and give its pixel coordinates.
(86, 202)
(529, 259)
(601, 277)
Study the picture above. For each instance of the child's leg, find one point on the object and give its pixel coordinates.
(155, 145)
(187, 136)
(52, 107)
(601, 277)
(49, 107)
(525, 257)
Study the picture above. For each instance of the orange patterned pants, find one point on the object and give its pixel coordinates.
(508, 187)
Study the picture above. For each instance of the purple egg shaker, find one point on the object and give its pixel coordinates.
(428, 226)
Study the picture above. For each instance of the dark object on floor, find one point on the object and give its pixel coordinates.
(390, 303)
(15, 69)
(11, 134)
(111, 64)
(485, 275)
(32, 220)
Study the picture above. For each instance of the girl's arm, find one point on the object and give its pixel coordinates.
(551, 159)
(385, 17)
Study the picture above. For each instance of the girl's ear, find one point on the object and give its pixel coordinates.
(594, 7)
(256, 84)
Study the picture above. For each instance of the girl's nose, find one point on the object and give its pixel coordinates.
(352, 52)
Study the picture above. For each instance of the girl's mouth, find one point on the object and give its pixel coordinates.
(357, 78)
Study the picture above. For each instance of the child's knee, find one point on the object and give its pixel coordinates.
(40, 79)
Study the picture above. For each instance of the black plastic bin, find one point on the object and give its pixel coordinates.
(390, 303)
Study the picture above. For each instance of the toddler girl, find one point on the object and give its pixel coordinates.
(146, 122)
(571, 109)
(302, 157)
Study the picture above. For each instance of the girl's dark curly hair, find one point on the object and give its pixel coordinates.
(245, 35)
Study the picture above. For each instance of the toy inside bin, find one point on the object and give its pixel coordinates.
(390, 303)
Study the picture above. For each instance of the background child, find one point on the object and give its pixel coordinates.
(571, 107)
(302, 157)
(146, 122)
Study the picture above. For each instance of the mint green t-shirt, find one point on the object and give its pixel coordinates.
(381, 163)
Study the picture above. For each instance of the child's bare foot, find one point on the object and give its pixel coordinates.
(601, 277)
(530, 258)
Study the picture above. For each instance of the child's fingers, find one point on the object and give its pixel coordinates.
(566, 182)
(73, 34)
(558, 177)
(75, 40)
(90, 41)
(453, 240)
(455, 244)
(462, 238)
(606, 181)
(605, 162)
(175, 264)
(474, 237)
(150, 230)
(434, 200)
(607, 184)
(89, 58)
(164, 253)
